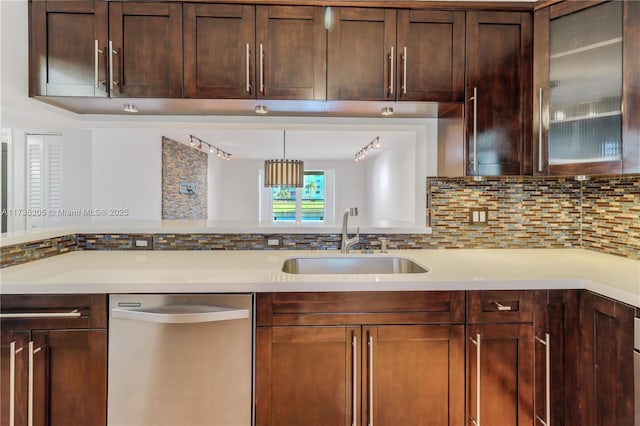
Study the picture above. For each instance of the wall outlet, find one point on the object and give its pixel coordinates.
(478, 216)
(142, 242)
(273, 241)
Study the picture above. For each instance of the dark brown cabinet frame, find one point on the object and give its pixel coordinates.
(70, 360)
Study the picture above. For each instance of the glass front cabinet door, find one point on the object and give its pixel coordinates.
(581, 89)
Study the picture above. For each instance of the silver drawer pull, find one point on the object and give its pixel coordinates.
(26, 315)
(501, 307)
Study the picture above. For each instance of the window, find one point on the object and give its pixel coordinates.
(306, 204)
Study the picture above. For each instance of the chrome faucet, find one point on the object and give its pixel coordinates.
(347, 242)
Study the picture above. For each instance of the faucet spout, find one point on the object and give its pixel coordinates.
(347, 242)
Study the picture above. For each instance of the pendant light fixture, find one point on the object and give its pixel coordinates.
(289, 173)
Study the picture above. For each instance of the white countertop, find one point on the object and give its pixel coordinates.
(260, 271)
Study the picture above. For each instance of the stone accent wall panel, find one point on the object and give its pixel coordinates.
(182, 163)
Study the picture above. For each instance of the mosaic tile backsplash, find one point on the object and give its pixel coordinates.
(601, 214)
(611, 216)
(523, 212)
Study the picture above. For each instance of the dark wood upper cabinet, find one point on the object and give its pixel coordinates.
(219, 51)
(498, 93)
(146, 54)
(586, 102)
(291, 46)
(67, 48)
(430, 55)
(361, 60)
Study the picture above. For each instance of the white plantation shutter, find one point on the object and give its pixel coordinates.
(35, 172)
(44, 180)
(53, 193)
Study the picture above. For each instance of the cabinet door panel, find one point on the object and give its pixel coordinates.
(416, 375)
(606, 367)
(294, 46)
(305, 375)
(549, 313)
(13, 375)
(506, 374)
(499, 68)
(68, 48)
(147, 40)
(434, 62)
(70, 377)
(360, 65)
(219, 50)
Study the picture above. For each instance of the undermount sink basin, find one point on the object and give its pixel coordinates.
(352, 265)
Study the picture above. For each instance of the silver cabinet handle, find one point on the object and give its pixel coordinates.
(404, 71)
(112, 82)
(97, 52)
(12, 382)
(181, 314)
(247, 58)
(547, 391)
(27, 315)
(370, 380)
(540, 129)
(261, 69)
(354, 396)
(476, 420)
(30, 392)
(391, 77)
(474, 160)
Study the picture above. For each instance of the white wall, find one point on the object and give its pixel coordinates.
(391, 183)
(127, 172)
(77, 174)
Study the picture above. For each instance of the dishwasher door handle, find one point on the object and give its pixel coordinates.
(180, 314)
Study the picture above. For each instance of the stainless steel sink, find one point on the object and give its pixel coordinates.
(345, 264)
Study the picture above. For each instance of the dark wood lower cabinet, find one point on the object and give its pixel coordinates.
(549, 381)
(305, 375)
(383, 358)
(605, 367)
(68, 360)
(500, 367)
(384, 375)
(413, 375)
(13, 377)
(70, 380)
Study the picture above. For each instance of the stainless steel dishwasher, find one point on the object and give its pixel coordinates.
(180, 360)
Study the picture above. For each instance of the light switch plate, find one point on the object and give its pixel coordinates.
(478, 216)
